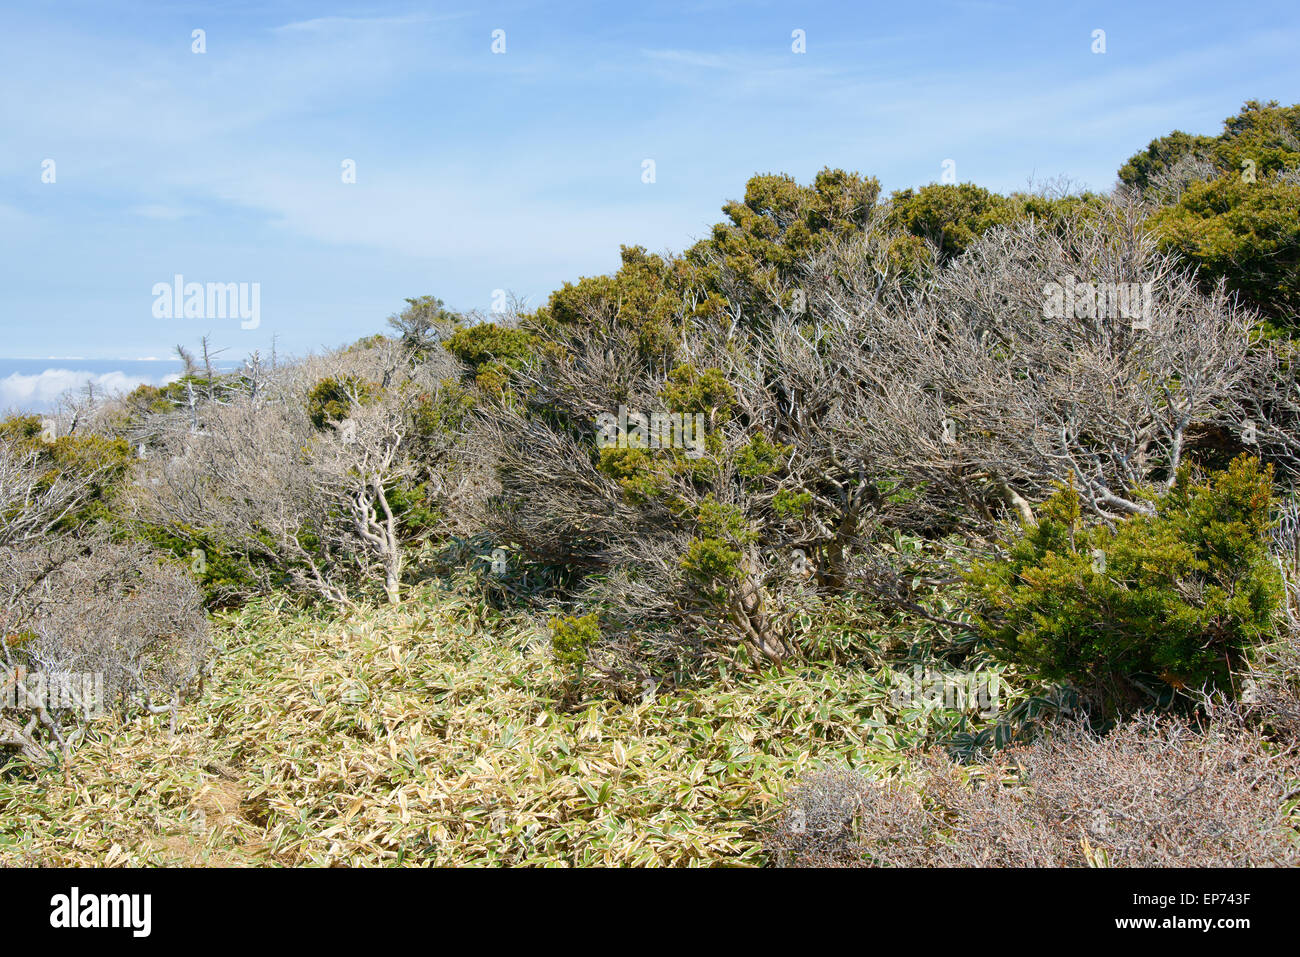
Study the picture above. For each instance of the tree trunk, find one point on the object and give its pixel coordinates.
(749, 611)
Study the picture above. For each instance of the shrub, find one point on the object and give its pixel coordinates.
(98, 465)
(492, 352)
(950, 217)
(1144, 169)
(1271, 689)
(979, 391)
(1265, 134)
(98, 607)
(1232, 203)
(226, 573)
(1173, 599)
(422, 324)
(572, 638)
(645, 295)
(1150, 793)
(333, 399)
(758, 251)
(815, 418)
(488, 342)
(320, 479)
(1245, 233)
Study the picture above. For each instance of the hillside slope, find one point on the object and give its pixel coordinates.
(415, 735)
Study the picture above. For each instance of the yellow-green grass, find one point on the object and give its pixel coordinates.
(415, 735)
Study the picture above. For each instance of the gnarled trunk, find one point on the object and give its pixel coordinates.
(749, 612)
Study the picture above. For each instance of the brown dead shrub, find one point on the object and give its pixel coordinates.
(1153, 792)
(93, 617)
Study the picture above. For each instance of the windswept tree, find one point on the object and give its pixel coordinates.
(1077, 352)
(678, 463)
(83, 619)
(314, 480)
(845, 393)
(423, 324)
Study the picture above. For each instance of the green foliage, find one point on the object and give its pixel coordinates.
(715, 557)
(760, 457)
(950, 216)
(1265, 133)
(636, 470)
(106, 461)
(492, 352)
(719, 520)
(692, 390)
(1247, 234)
(437, 418)
(1242, 225)
(644, 298)
(572, 637)
(331, 400)
(224, 575)
(778, 224)
(83, 454)
(442, 412)
(422, 323)
(1161, 154)
(758, 249)
(1055, 210)
(22, 430)
(1173, 599)
(712, 562)
(366, 343)
(148, 399)
(413, 506)
(788, 503)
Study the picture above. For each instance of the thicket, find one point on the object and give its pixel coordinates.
(1052, 431)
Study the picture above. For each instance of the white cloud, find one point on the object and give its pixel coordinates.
(160, 211)
(351, 23)
(37, 393)
(13, 216)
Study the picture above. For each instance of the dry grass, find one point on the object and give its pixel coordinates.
(410, 736)
(1150, 793)
(423, 735)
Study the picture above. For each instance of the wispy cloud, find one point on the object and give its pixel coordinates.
(478, 171)
(709, 61)
(324, 24)
(161, 211)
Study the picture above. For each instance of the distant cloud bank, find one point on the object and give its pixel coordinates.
(37, 393)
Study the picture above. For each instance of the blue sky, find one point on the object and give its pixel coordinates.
(478, 171)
